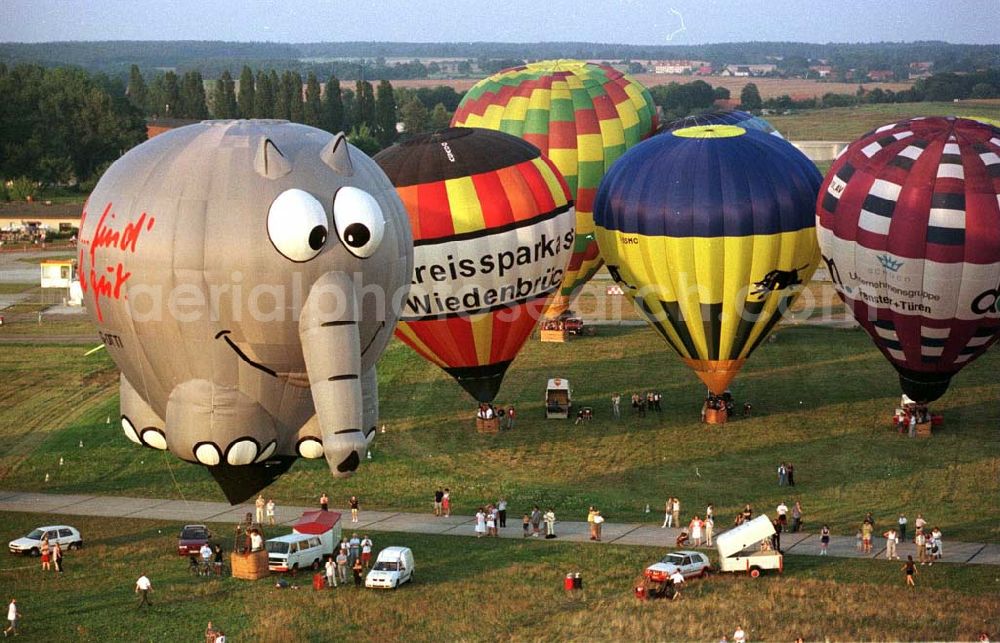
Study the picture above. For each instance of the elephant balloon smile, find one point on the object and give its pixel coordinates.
(245, 276)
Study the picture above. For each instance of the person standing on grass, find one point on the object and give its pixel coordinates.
(342, 565)
(790, 472)
(739, 636)
(782, 474)
(354, 545)
(269, 510)
(355, 508)
(536, 521)
(366, 551)
(144, 588)
(902, 528)
(709, 527)
(550, 523)
(218, 560)
(259, 509)
(331, 572)
(668, 513)
(438, 499)
(747, 513)
(911, 570)
(446, 502)
(358, 571)
(511, 416)
(675, 509)
(46, 554)
(616, 409)
(824, 540)
(324, 502)
(13, 617)
(796, 516)
(890, 545)
(502, 512)
(782, 510)
(57, 557)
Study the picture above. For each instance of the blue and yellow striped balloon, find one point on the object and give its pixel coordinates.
(709, 230)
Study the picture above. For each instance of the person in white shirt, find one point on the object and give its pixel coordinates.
(782, 510)
(270, 511)
(677, 578)
(143, 586)
(890, 544)
(12, 617)
(739, 636)
(331, 572)
(256, 541)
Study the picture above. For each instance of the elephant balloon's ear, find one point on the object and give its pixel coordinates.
(336, 156)
(269, 161)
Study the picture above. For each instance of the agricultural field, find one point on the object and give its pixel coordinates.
(768, 87)
(849, 123)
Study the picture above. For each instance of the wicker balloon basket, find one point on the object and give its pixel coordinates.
(249, 566)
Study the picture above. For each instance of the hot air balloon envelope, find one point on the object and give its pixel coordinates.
(583, 117)
(909, 225)
(493, 233)
(709, 230)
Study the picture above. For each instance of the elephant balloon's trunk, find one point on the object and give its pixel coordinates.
(331, 346)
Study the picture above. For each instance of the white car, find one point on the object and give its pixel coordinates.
(691, 563)
(393, 567)
(65, 535)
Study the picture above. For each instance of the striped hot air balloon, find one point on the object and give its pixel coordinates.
(492, 224)
(709, 230)
(746, 120)
(580, 115)
(909, 225)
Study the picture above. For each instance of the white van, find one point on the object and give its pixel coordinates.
(740, 548)
(393, 567)
(294, 552)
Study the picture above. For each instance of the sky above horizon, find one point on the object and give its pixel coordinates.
(639, 22)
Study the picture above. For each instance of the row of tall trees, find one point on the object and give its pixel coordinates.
(62, 125)
(370, 115)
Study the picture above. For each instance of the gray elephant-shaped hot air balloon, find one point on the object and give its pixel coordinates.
(245, 276)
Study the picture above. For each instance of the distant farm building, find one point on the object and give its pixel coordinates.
(679, 66)
(743, 71)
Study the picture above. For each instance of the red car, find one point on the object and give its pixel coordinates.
(192, 538)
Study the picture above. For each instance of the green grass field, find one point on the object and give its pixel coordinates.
(822, 400)
(480, 590)
(849, 123)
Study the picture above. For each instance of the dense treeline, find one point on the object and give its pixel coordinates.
(63, 125)
(352, 60)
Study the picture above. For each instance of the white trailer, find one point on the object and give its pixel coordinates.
(743, 548)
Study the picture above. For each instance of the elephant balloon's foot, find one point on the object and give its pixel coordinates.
(240, 483)
(139, 421)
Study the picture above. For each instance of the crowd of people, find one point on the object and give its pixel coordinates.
(352, 557)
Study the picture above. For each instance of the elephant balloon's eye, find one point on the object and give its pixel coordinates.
(297, 225)
(359, 221)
